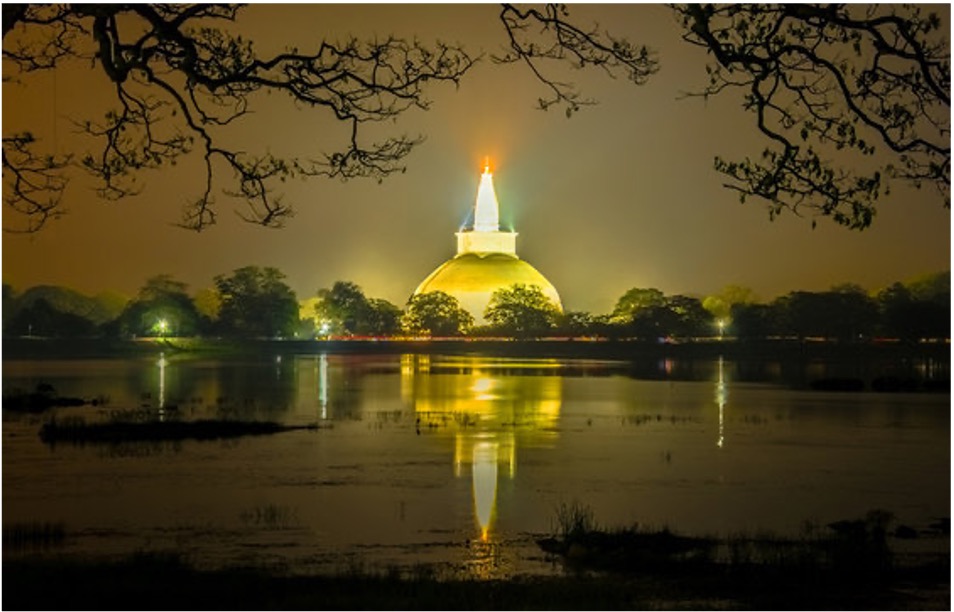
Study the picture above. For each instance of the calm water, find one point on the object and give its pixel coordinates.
(458, 462)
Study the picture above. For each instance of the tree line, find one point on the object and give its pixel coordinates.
(256, 302)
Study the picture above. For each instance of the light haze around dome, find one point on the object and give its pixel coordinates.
(486, 260)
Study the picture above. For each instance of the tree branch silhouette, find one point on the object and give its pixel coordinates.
(829, 86)
(179, 79)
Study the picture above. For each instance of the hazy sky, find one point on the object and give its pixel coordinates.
(621, 195)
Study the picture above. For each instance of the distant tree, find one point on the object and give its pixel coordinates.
(635, 301)
(522, 311)
(853, 314)
(720, 304)
(343, 309)
(689, 319)
(9, 300)
(829, 86)
(911, 317)
(578, 324)
(934, 286)
(383, 317)
(436, 313)
(161, 308)
(68, 301)
(846, 313)
(256, 302)
(753, 321)
(208, 303)
(40, 318)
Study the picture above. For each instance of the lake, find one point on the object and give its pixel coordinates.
(457, 462)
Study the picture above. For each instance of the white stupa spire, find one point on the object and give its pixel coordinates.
(485, 236)
(486, 210)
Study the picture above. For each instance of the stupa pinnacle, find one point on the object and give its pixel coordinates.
(486, 259)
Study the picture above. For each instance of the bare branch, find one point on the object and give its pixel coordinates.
(179, 81)
(537, 37)
(826, 78)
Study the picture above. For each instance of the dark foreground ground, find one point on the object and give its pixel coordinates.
(158, 582)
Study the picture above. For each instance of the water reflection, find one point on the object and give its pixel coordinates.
(490, 408)
(323, 384)
(722, 394)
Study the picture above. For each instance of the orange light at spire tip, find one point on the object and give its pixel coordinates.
(487, 165)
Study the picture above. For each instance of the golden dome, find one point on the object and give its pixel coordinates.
(473, 277)
(486, 260)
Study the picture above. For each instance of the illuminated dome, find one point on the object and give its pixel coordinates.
(486, 260)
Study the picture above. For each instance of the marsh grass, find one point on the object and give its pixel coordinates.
(33, 536)
(270, 516)
(77, 430)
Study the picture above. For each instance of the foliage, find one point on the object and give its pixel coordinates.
(345, 310)
(40, 318)
(649, 314)
(436, 313)
(256, 302)
(162, 308)
(720, 304)
(848, 315)
(829, 85)
(522, 311)
(920, 309)
(342, 309)
(635, 300)
(70, 301)
(383, 317)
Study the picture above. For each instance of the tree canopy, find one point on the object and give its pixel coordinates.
(436, 313)
(522, 311)
(256, 302)
(848, 98)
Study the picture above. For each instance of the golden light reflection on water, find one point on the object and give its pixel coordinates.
(722, 395)
(490, 407)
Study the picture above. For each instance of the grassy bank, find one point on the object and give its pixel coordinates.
(845, 565)
(157, 581)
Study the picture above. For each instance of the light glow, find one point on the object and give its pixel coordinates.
(487, 211)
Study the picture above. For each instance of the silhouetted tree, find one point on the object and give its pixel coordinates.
(63, 299)
(383, 317)
(720, 304)
(689, 318)
(522, 311)
(162, 308)
(635, 301)
(256, 302)
(40, 318)
(9, 299)
(916, 312)
(343, 309)
(436, 313)
(753, 321)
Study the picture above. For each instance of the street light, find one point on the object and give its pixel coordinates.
(163, 325)
(721, 324)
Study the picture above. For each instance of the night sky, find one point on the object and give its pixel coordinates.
(621, 195)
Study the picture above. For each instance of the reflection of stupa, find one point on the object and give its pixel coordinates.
(486, 260)
(488, 414)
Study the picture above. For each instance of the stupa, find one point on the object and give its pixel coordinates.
(486, 259)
